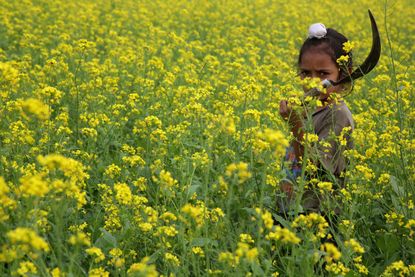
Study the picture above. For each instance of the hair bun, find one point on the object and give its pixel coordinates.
(317, 30)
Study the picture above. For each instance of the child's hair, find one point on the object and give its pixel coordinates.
(331, 44)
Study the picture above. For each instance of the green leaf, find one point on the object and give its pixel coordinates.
(106, 241)
(396, 187)
(257, 269)
(388, 243)
(154, 256)
(281, 220)
(203, 242)
(193, 188)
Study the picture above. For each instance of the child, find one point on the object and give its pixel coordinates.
(318, 58)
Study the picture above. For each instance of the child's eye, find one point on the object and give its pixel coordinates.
(324, 73)
(304, 73)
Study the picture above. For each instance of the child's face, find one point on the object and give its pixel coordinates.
(318, 64)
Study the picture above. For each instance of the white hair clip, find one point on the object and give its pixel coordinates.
(317, 30)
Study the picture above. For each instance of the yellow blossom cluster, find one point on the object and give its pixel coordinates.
(24, 241)
(313, 222)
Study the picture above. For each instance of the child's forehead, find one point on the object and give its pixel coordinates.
(322, 47)
(317, 58)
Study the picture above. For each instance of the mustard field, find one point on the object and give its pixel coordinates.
(143, 138)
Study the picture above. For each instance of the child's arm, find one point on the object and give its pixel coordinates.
(296, 126)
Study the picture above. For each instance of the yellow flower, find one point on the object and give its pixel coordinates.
(355, 246)
(246, 238)
(51, 94)
(343, 59)
(9, 75)
(272, 180)
(145, 227)
(37, 108)
(166, 180)
(252, 254)
(362, 269)
(33, 186)
(80, 238)
(228, 124)
(123, 193)
(337, 268)
(270, 139)
(4, 189)
(332, 253)
(134, 160)
(90, 132)
(284, 235)
(169, 231)
(71, 168)
(169, 257)
(198, 212)
(112, 171)
(308, 83)
(411, 226)
(97, 253)
(98, 272)
(348, 46)
(26, 236)
(266, 218)
(393, 217)
(241, 171)
(56, 272)
(367, 172)
(215, 214)
(143, 269)
(201, 159)
(325, 186)
(198, 251)
(310, 138)
(397, 268)
(254, 114)
(310, 221)
(141, 184)
(228, 258)
(7, 203)
(168, 217)
(26, 268)
(116, 259)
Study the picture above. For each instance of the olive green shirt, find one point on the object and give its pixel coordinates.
(329, 124)
(332, 120)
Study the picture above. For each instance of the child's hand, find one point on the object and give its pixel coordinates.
(287, 113)
(285, 110)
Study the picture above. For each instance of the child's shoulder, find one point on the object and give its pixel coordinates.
(340, 108)
(342, 114)
(336, 113)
